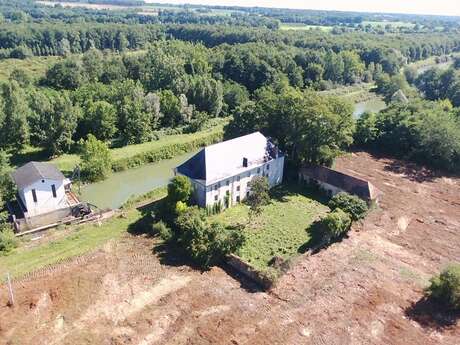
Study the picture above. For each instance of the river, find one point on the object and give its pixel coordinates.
(373, 105)
(120, 186)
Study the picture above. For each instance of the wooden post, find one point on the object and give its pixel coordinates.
(10, 290)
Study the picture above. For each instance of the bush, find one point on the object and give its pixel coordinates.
(205, 243)
(179, 189)
(353, 205)
(335, 224)
(445, 288)
(8, 240)
(163, 231)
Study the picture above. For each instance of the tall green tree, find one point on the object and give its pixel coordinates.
(96, 162)
(14, 125)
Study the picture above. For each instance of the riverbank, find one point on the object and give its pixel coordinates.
(353, 93)
(131, 156)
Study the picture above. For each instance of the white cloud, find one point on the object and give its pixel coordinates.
(439, 7)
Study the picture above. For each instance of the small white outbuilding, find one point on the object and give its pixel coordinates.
(41, 188)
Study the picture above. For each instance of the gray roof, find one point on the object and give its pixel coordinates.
(35, 171)
(350, 184)
(219, 161)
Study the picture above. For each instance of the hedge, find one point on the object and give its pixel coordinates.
(166, 152)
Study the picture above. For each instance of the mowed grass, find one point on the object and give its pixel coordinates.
(280, 230)
(34, 66)
(300, 26)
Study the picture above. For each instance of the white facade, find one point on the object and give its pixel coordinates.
(220, 173)
(44, 200)
(237, 186)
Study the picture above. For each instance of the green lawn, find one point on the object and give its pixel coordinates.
(34, 66)
(280, 230)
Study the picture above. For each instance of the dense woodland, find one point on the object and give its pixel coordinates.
(126, 77)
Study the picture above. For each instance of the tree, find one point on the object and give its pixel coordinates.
(65, 75)
(310, 128)
(135, 123)
(170, 108)
(15, 128)
(7, 187)
(445, 288)
(234, 95)
(55, 121)
(92, 63)
(205, 243)
(258, 194)
(101, 119)
(96, 162)
(206, 94)
(179, 189)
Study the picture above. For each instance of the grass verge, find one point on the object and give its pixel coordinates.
(132, 155)
(282, 228)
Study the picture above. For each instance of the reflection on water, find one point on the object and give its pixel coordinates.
(372, 105)
(118, 187)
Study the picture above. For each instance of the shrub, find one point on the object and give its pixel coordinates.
(445, 288)
(205, 243)
(335, 224)
(258, 195)
(179, 189)
(8, 240)
(163, 231)
(353, 205)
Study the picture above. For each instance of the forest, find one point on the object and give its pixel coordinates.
(126, 79)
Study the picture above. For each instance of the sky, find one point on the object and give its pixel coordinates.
(438, 7)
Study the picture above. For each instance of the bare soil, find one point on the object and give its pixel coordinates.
(367, 289)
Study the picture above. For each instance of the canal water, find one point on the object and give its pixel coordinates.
(372, 105)
(120, 186)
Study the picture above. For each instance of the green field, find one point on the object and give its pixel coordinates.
(300, 26)
(34, 66)
(385, 23)
(280, 230)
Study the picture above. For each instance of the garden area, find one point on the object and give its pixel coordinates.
(281, 229)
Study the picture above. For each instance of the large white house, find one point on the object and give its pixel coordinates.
(41, 188)
(221, 172)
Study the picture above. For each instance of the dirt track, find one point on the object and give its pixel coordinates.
(365, 290)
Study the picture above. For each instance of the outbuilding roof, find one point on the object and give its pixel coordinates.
(35, 171)
(225, 159)
(350, 184)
